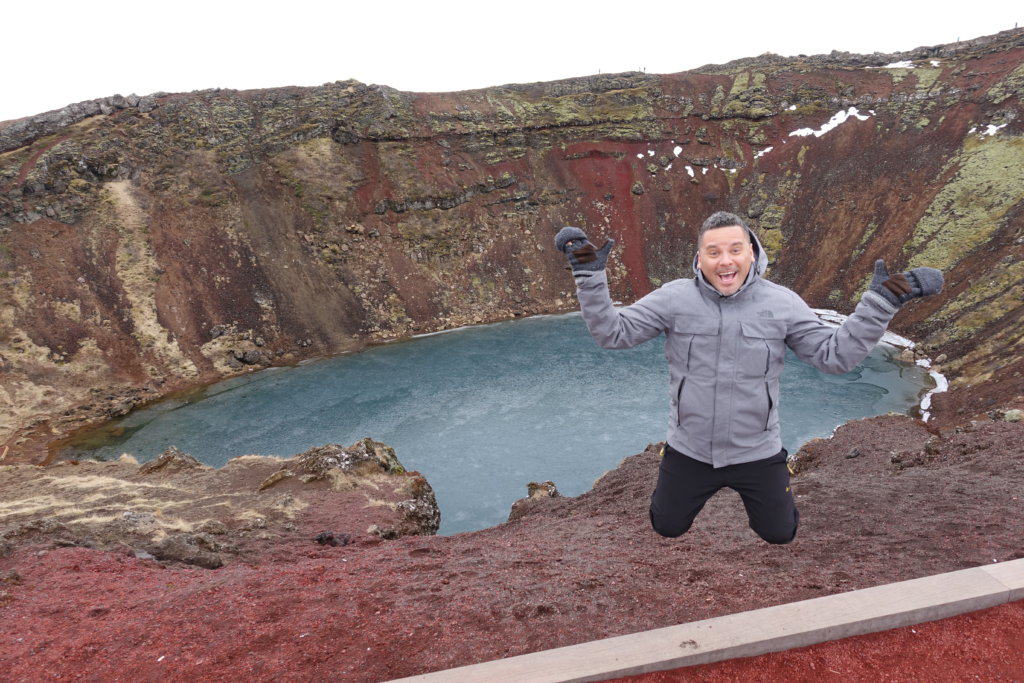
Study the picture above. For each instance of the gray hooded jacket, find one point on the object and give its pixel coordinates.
(726, 353)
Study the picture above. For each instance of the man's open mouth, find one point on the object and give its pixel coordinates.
(728, 278)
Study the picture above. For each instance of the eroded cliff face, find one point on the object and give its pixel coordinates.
(156, 243)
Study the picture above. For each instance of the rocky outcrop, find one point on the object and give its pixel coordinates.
(175, 509)
(14, 134)
(535, 492)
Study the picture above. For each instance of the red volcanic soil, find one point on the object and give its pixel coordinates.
(985, 645)
(884, 500)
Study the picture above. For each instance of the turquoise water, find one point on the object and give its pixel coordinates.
(481, 411)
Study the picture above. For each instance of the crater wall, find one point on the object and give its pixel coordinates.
(152, 244)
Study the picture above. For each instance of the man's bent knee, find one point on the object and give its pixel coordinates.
(669, 531)
(775, 536)
(777, 539)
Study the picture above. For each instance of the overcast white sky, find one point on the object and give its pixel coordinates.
(56, 53)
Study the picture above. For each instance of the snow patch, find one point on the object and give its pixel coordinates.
(689, 169)
(763, 152)
(791, 107)
(991, 130)
(836, 119)
(941, 385)
(934, 62)
(677, 150)
(639, 156)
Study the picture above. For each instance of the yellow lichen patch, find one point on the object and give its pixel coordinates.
(246, 460)
(926, 77)
(898, 73)
(30, 506)
(89, 358)
(322, 177)
(16, 344)
(864, 239)
(22, 399)
(109, 485)
(976, 364)
(97, 500)
(135, 267)
(739, 84)
(69, 309)
(717, 99)
(965, 213)
(1012, 84)
(862, 287)
(26, 389)
(772, 240)
(1000, 283)
(341, 481)
(290, 506)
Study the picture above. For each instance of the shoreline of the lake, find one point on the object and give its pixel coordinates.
(892, 339)
(56, 447)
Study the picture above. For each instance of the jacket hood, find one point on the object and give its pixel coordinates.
(757, 268)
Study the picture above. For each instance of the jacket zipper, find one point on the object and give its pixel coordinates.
(679, 400)
(679, 393)
(718, 359)
(767, 365)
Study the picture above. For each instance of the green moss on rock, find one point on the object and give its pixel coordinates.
(1012, 84)
(965, 213)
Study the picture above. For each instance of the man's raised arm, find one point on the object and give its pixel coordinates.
(611, 328)
(839, 350)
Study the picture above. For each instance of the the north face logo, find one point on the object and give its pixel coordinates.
(765, 314)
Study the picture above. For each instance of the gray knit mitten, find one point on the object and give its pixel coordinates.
(900, 288)
(584, 258)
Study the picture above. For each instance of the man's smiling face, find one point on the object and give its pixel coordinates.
(724, 257)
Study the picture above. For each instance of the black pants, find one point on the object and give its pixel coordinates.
(685, 485)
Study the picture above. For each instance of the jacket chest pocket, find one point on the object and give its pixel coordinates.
(762, 351)
(692, 343)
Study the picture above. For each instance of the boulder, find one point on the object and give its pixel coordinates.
(186, 549)
(171, 460)
(535, 492)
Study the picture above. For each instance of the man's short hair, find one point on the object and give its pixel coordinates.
(721, 219)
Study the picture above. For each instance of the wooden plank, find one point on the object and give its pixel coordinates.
(745, 634)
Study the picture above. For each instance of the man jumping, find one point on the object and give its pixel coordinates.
(727, 330)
